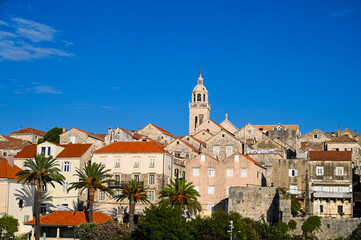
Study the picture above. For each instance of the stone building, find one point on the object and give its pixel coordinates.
(80, 136)
(70, 157)
(331, 183)
(313, 141)
(195, 142)
(9, 146)
(250, 134)
(212, 178)
(147, 162)
(121, 135)
(157, 134)
(183, 149)
(203, 135)
(345, 143)
(28, 134)
(229, 126)
(288, 134)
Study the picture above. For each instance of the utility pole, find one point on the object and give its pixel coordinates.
(231, 231)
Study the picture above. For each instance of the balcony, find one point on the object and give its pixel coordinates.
(340, 195)
(198, 104)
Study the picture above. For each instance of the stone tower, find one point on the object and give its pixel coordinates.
(199, 108)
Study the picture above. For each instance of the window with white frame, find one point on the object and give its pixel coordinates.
(152, 163)
(215, 149)
(195, 172)
(339, 171)
(65, 186)
(211, 172)
(66, 166)
(292, 172)
(229, 172)
(136, 162)
(72, 139)
(249, 131)
(50, 151)
(348, 149)
(151, 179)
(229, 149)
(196, 187)
(117, 179)
(293, 189)
(211, 190)
(117, 163)
(151, 195)
(43, 150)
(236, 158)
(136, 177)
(101, 195)
(210, 206)
(315, 136)
(243, 172)
(319, 171)
(203, 158)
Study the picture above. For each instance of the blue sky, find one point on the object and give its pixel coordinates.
(95, 64)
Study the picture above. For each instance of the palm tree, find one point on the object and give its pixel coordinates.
(181, 194)
(41, 171)
(135, 192)
(92, 177)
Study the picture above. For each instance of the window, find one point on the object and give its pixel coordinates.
(229, 172)
(196, 187)
(340, 208)
(176, 173)
(215, 149)
(50, 152)
(23, 166)
(136, 162)
(151, 195)
(65, 186)
(117, 179)
(319, 171)
(210, 206)
(152, 163)
(43, 208)
(203, 158)
(292, 172)
(348, 149)
(72, 139)
(199, 97)
(177, 142)
(236, 158)
(45, 188)
(229, 149)
(227, 190)
(184, 175)
(66, 166)
(21, 203)
(315, 136)
(151, 179)
(136, 177)
(195, 172)
(243, 172)
(211, 190)
(43, 150)
(335, 149)
(117, 163)
(293, 189)
(101, 195)
(211, 172)
(117, 192)
(339, 171)
(249, 131)
(321, 208)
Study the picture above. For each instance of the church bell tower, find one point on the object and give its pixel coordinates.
(199, 108)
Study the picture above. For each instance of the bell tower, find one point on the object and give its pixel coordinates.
(199, 108)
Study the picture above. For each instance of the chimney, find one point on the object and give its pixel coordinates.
(354, 131)
(64, 130)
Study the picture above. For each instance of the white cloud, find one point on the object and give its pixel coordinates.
(46, 89)
(21, 43)
(34, 31)
(68, 43)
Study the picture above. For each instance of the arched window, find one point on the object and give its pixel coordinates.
(194, 98)
(204, 97)
(196, 122)
(199, 97)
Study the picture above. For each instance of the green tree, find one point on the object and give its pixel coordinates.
(41, 171)
(135, 192)
(52, 135)
(181, 194)
(161, 222)
(311, 225)
(9, 224)
(92, 177)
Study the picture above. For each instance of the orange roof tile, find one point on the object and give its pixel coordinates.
(330, 155)
(101, 135)
(161, 129)
(27, 152)
(343, 138)
(10, 138)
(271, 127)
(8, 171)
(69, 218)
(29, 130)
(69, 151)
(13, 144)
(132, 147)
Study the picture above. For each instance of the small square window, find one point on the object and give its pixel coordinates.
(152, 163)
(211, 190)
(319, 171)
(117, 163)
(229, 172)
(151, 179)
(211, 172)
(339, 171)
(315, 136)
(229, 149)
(215, 149)
(243, 172)
(195, 172)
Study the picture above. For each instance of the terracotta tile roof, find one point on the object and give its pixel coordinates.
(89, 133)
(7, 171)
(13, 144)
(132, 133)
(162, 130)
(330, 155)
(101, 135)
(69, 218)
(69, 151)
(73, 150)
(271, 127)
(251, 159)
(10, 138)
(132, 147)
(29, 130)
(305, 147)
(343, 138)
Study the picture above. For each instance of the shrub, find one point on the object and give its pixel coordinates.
(311, 224)
(23, 236)
(111, 230)
(85, 231)
(9, 224)
(292, 224)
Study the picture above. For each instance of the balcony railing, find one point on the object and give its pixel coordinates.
(332, 195)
